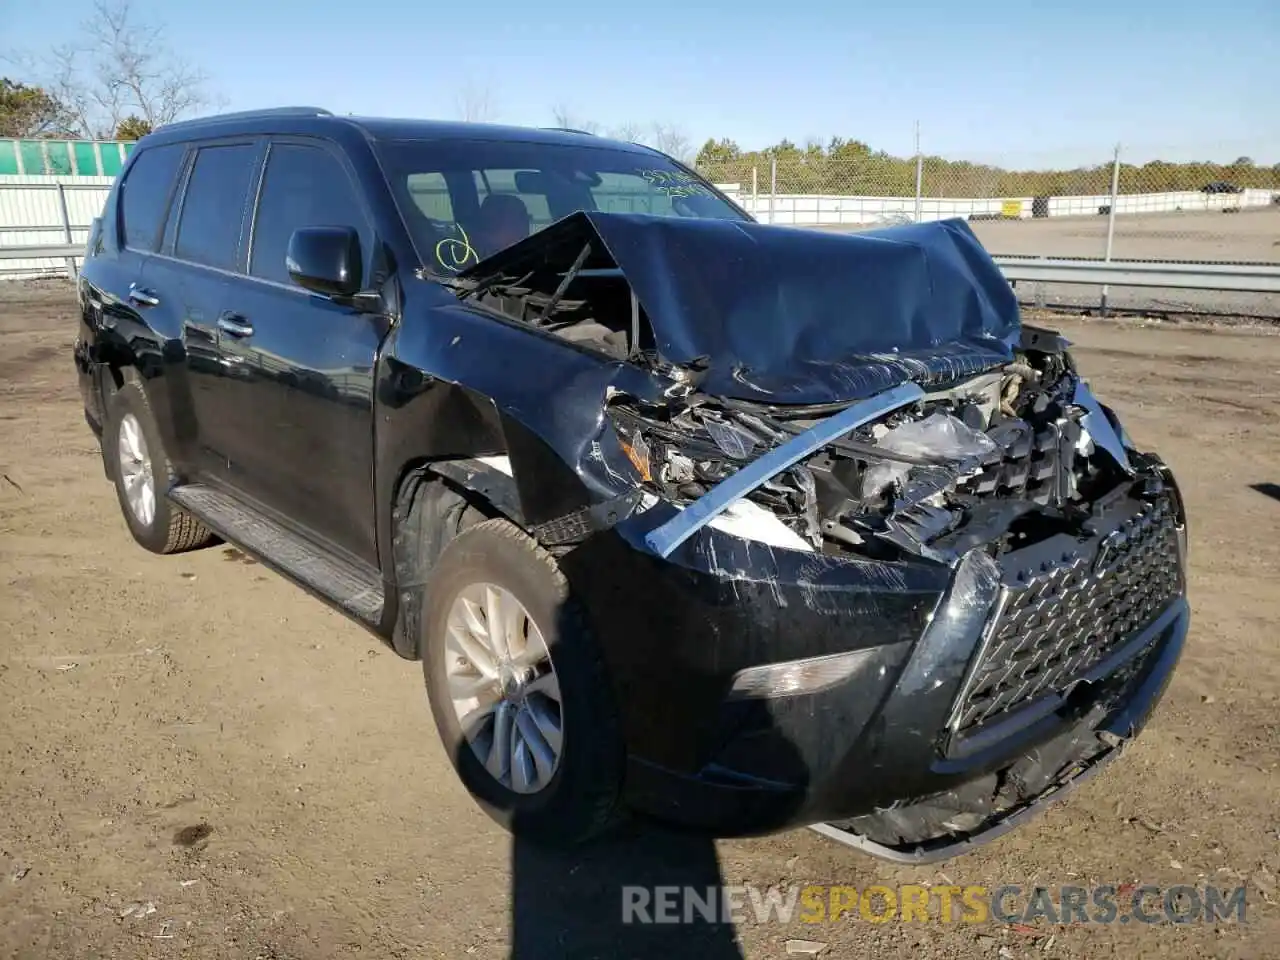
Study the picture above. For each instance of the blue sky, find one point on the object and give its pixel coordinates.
(1013, 82)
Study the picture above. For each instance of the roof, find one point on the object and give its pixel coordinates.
(386, 128)
(315, 119)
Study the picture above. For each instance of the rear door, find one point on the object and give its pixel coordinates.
(200, 253)
(302, 364)
(115, 310)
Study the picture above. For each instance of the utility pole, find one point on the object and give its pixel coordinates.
(919, 171)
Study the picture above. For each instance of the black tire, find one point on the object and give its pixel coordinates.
(172, 529)
(581, 800)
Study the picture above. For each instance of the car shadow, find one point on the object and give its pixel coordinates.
(643, 889)
(571, 904)
(1271, 490)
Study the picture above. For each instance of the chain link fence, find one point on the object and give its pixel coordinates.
(1107, 207)
(1204, 212)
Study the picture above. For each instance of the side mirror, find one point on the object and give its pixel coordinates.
(326, 260)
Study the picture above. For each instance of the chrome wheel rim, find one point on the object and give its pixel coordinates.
(135, 470)
(504, 687)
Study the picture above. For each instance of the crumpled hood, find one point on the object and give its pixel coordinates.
(786, 315)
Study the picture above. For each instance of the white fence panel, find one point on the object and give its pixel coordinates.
(31, 215)
(31, 211)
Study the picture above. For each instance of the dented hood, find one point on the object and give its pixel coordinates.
(786, 315)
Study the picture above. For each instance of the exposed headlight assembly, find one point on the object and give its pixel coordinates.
(681, 462)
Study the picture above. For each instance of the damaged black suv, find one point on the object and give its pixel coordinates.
(739, 526)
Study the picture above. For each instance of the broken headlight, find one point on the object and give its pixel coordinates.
(681, 458)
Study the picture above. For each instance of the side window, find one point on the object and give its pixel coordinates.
(430, 194)
(304, 187)
(504, 181)
(628, 193)
(144, 194)
(209, 231)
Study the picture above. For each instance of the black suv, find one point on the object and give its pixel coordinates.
(740, 526)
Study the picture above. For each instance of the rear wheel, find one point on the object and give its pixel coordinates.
(142, 476)
(517, 689)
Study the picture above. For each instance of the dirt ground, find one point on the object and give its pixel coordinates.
(1251, 235)
(197, 760)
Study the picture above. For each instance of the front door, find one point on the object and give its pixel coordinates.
(300, 366)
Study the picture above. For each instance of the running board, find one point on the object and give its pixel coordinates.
(354, 591)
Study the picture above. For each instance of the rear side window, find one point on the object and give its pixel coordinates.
(209, 231)
(145, 193)
(303, 187)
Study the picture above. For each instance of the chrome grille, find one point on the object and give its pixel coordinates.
(1051, 628)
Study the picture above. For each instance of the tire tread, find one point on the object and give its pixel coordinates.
(602, 806)
(184, 532)
(592, 805)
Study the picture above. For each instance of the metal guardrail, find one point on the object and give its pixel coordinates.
(70, 253)
(40, 251)
(1241, 277)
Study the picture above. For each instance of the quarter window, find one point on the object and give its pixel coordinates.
(144, 195)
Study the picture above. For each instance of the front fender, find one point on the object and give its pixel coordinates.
(456, 383)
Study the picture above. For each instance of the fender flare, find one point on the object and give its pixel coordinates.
(489, 478)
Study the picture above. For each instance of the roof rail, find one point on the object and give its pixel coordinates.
(585, 133)
(252, 115)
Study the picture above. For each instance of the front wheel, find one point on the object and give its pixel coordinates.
(517, 688)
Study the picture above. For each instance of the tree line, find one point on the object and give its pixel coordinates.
(851, 167)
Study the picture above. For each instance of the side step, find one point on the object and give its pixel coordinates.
(355, 591)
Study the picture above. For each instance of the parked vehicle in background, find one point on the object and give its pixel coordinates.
(742, 527)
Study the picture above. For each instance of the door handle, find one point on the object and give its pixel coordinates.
(235, 325)
(143, 296)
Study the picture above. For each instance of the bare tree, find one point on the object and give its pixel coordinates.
(475, 104)
(566, 118)
(120, 67)
(672, 141)
(630, 132)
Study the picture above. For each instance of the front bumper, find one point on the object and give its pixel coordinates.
(1075, 752)
(675, 633)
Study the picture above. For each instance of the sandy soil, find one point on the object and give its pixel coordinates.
(1251, 235)
(197, 760)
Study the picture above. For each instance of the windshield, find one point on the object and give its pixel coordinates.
(463, 200)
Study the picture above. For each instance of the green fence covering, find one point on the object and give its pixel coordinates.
(85, 158)
(112, 159)
(32, 156)
(8, 157)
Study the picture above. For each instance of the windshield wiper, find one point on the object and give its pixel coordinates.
(471, 288)
(563, 286)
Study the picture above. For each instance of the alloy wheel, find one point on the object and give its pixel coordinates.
(504, 687)
(135, 470)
